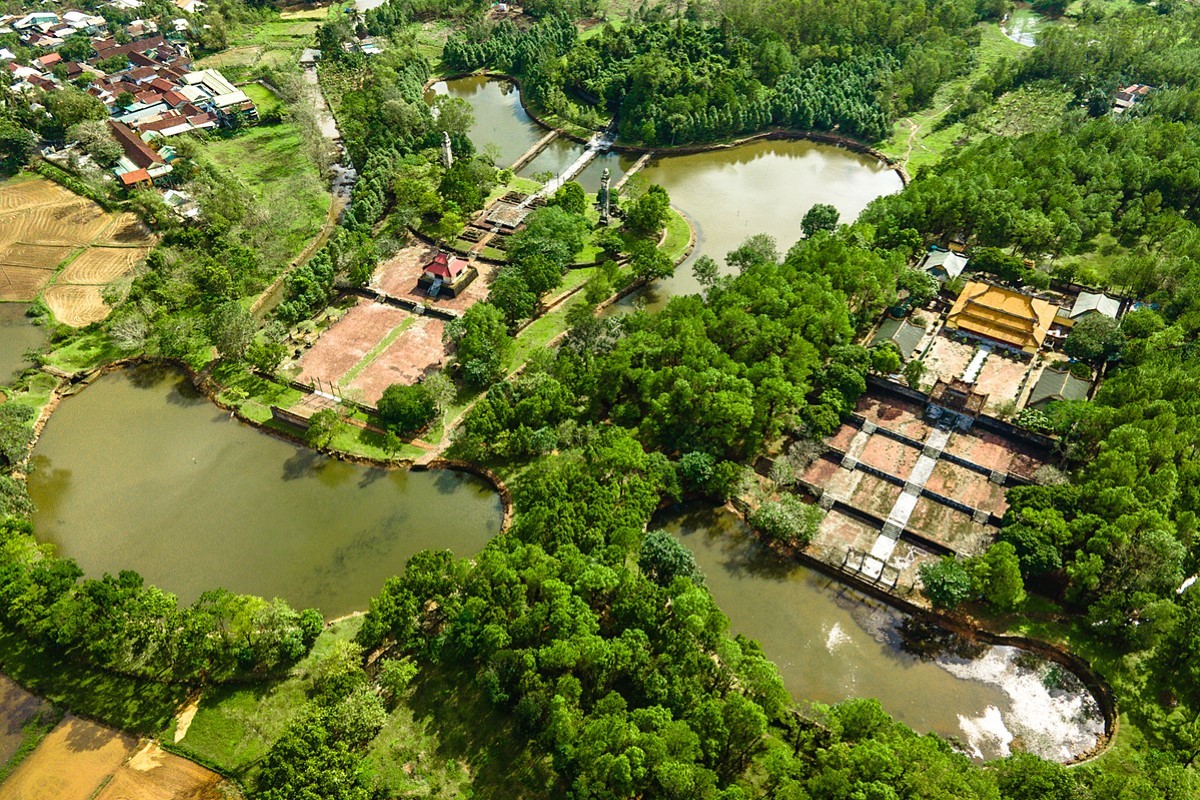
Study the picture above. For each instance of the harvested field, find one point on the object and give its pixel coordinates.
(38, 256)
(416, 351)
(961, 484)
(41, 223)
(946, 359)
(154, 774)
(102, 265)
(126, 229)
(76, 306)
(890, 456)
(17, 707)
(1001, 380)
(73, 223)
(954, 529)
(22, 283)
(398, 278)
(18, 194)
(70, 763)
(349, 340)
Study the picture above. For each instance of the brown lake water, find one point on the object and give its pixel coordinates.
(17, 335)
(832, 643)
(141, 472)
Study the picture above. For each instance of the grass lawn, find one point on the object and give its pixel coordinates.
(915, 140)
(235, 726)
(263, 98)
(271, 42)
(84, 352)
(1029, 108)
(679, 235)
(1095, 266)
(270, 162)
(454, 744)
(125, 703)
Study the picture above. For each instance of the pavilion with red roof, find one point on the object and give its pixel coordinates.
(446, 272)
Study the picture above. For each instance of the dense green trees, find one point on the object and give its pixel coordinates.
(482, 345)
(406, 409)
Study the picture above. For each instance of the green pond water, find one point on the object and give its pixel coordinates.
(17, 335)
(141, 472)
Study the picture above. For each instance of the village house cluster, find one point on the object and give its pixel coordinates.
(143, 77)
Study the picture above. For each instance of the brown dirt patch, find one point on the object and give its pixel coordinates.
(398, 277)
(76, 306)
(101, 265)
(875, 496)
(416, 351)
(1001, 379)
(22, 283)
(154, 774)
(349, 340)
(820, 471)
(946, 359)
(70, 763)
(961, 484)
(841, 440)
(890, 456)
(947, 526)
(38, 256)
(895, 415)
(985, 449)
(17, 707)
(839, 532)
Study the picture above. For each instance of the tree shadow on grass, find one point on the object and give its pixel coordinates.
(446, 700)
(139, 706)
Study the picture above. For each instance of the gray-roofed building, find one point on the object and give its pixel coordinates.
(1094, 302)
(943, 264)
(1057, 385)
(903, 333)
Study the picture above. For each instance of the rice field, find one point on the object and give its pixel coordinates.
(42, 227)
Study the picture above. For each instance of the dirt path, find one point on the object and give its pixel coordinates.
(184, 720)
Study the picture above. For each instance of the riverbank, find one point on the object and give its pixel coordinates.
(965, 627)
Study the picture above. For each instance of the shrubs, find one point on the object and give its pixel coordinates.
(406, 409)
(788, 519)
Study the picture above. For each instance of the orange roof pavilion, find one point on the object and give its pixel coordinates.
(1002, 315)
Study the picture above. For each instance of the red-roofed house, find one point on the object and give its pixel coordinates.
(48, 60)
(446, 273)
(137, 177)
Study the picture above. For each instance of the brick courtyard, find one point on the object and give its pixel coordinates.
(398, 277)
